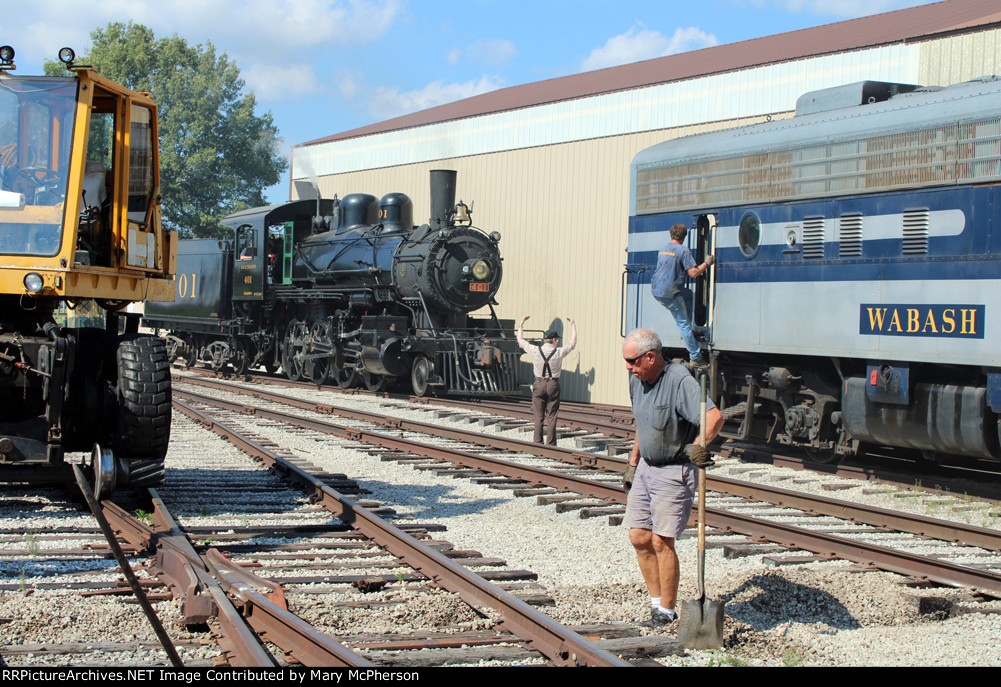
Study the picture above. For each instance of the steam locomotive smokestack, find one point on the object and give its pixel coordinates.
(442, 194)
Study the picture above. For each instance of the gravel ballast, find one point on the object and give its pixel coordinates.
(819, 614)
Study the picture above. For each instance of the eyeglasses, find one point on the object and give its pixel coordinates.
(632, 361)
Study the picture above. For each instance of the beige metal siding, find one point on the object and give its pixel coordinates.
(563, 212)
(960, 58)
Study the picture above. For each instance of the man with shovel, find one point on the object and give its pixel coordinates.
(667, 451)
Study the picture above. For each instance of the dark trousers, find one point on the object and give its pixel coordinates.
(545, 404)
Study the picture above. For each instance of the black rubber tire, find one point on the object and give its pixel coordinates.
(144, 408)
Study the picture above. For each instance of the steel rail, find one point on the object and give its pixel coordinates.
(263, 612)
(560, 645)
(884, 558)
(200, 593)
(860, 513)
(590, 460)
(123, 563)
(501, 467)
(620, 426)
(892, 560)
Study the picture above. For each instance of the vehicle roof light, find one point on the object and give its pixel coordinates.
(66, 55)
(6, 55)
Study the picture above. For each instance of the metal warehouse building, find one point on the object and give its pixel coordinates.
(547, 163)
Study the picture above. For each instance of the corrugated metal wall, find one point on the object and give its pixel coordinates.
(562, 209)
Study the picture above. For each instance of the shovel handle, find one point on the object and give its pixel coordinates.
(702, 488)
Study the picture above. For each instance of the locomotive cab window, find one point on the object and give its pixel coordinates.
(246, 250)
(749, 235)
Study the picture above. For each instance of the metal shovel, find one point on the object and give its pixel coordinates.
(701, 622)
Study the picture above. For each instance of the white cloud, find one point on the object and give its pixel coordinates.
(640, 43)
(486, 51)
(387, 103)
(273, 83)
(252, 32)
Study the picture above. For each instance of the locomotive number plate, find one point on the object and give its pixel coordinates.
(479, 286)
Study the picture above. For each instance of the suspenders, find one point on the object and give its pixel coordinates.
(546, 372)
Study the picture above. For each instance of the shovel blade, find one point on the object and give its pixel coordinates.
(701, 625)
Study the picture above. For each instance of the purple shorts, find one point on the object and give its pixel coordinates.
(661, 498)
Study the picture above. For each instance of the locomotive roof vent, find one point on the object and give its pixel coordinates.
(849, 95)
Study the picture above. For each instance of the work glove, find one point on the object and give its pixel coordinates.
(700, 456)
(710, 260)
(627, 477)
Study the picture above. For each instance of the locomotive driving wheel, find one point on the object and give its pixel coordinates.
(292, 350)
(346, 377)
(320, 342)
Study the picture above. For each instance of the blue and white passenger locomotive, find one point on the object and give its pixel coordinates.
(347, 291)
(857, 291)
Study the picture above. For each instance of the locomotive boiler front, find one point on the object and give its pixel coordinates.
(456, 269)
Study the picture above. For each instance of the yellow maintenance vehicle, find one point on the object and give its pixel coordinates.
(80, 225)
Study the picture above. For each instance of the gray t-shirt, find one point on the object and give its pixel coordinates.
(667, 415)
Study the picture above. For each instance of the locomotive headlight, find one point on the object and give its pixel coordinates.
(6, 55)
(33, 282)
(481, 270)
(66, 55)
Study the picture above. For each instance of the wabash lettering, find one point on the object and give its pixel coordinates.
(951, 321)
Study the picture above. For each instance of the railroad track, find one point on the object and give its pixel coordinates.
(861, 544)
(357, 547)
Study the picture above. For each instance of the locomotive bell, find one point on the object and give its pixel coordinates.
(461, 214)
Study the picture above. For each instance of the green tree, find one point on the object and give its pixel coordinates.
(216, 155)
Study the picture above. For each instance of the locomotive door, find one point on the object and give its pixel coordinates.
(248, 272)
(702, 242)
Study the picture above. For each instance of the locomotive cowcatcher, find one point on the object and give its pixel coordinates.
(79, 224)
(347, 291)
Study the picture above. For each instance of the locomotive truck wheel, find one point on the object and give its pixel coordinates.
(219, 354)
(420, 376)
(144, 404)
(175, 346)
(238, 358)
(823, 456)
(188, 354)
(373, 382)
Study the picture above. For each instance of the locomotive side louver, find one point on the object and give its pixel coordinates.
(915, 232)
(850, 236)
(813, 237)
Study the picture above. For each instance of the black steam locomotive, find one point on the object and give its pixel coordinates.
(347, 291)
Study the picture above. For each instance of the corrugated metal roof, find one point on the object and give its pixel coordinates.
(906, 25)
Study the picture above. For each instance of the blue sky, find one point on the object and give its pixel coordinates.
(326, 66)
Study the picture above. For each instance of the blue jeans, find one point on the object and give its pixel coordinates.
(680, 306)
